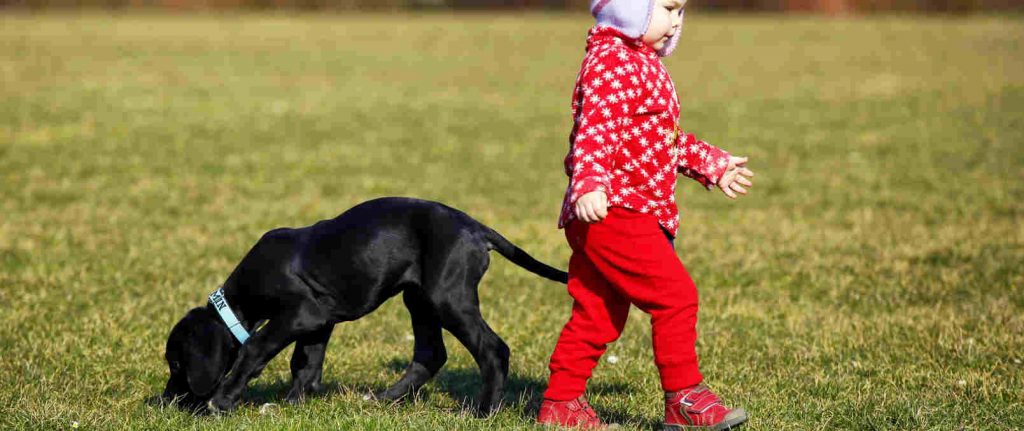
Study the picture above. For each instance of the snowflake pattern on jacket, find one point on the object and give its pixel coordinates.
(625, 141)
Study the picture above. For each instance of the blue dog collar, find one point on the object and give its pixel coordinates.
(221, 304)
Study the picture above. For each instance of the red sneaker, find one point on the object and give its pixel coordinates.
(699, 408)
(575, 413)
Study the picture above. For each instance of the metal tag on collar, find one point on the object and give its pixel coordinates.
(221, 305)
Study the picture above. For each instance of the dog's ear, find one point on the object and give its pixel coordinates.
(176, 355)
(207, 356)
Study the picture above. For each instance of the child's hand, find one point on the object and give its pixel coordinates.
(736, 176)
(592, 207)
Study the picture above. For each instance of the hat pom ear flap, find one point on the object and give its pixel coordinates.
(670, 45)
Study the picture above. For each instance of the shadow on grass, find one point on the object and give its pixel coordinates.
(523, 394)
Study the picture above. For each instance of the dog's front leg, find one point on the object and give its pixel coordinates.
(308, 363)
(252, 358)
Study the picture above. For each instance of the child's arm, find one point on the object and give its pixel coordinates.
(701, 161)
(712, 166)
(602, 115)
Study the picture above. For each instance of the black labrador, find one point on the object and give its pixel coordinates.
(294, 285)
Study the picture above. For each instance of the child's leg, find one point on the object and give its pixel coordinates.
(629, 250)
(598, 316)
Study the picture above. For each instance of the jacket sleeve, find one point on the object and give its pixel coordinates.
(602, 113)
(701, 161)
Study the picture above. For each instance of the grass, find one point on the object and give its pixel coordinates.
(873, 279)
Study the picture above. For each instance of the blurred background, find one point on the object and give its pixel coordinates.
(833, 7)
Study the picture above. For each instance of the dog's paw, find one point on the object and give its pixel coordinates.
(212, 408)
(298, 394)
(386, 396)
(486, 410)
(217, 406)
(389, 395)
(315, 388)
(295, 397)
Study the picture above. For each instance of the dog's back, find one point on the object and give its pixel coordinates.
(356, 261)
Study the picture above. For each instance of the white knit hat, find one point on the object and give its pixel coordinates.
(631, 17)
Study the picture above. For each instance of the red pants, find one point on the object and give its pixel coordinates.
(624, 259)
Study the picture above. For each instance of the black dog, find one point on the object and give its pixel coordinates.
(302, 282)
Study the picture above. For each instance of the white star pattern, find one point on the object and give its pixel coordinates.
(630, 141)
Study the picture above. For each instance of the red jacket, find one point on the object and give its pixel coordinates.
(624, 140)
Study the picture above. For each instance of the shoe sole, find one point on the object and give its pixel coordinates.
(732, 420)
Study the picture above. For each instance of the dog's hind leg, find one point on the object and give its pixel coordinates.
(308, 363)
(429, 354)
(459, 310)
(488, 349)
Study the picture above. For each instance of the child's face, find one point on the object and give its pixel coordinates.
(666, 19)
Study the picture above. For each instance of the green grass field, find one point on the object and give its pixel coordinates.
(874, 278)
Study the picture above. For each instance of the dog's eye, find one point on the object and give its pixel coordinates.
(175, 365)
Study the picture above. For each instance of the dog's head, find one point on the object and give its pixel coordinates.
(199, 351)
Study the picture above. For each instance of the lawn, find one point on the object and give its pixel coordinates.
(873, 279)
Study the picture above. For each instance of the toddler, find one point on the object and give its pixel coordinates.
(620, 215)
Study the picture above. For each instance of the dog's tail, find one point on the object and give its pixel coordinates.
(519, 257)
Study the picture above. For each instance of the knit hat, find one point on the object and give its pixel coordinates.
(631, 17)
